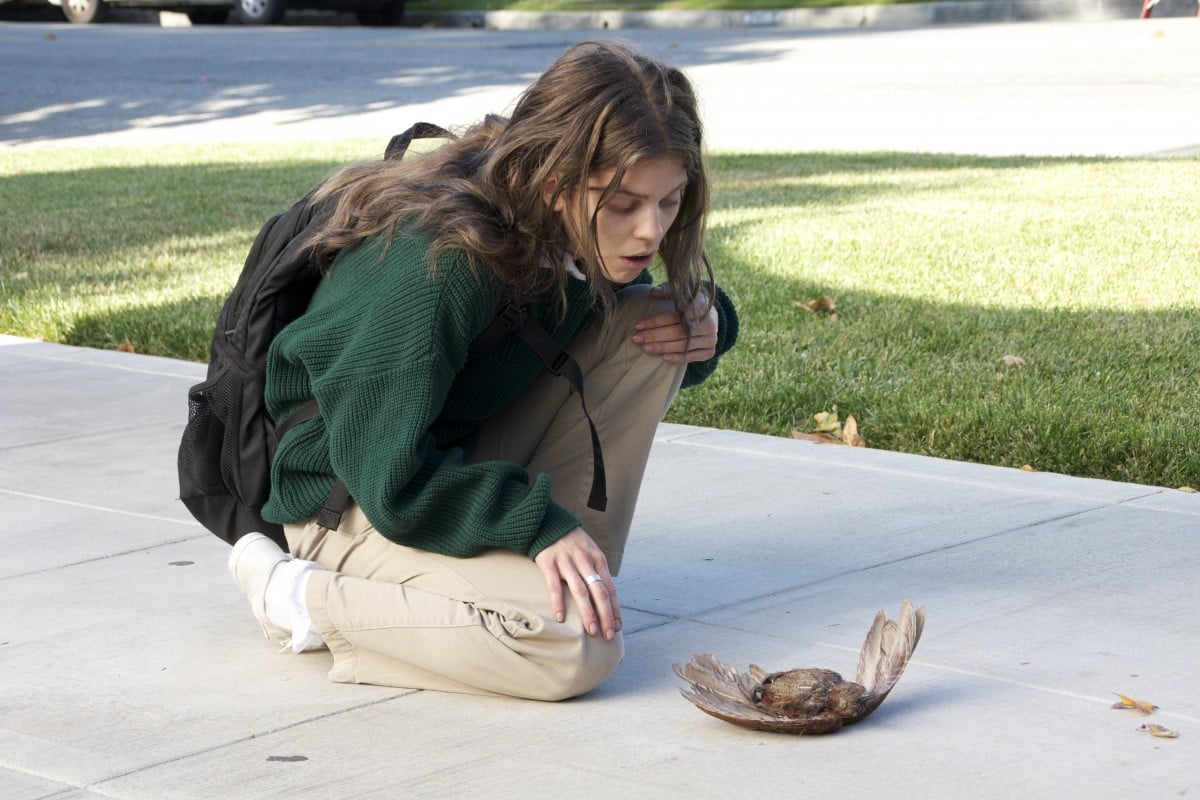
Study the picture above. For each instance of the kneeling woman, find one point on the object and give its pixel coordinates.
(470, 559)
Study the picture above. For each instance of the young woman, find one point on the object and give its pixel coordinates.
(471, 559)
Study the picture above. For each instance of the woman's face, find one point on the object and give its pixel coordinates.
(632, 222)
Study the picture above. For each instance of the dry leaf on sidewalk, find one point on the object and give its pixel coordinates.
(1159, 731)
(1141, 706)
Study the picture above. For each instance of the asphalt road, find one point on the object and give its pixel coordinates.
(1129, 87)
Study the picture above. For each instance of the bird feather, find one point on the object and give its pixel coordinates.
(885, 653)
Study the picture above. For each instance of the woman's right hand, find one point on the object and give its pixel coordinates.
(572, 560)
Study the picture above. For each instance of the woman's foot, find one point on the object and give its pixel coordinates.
(254, 562)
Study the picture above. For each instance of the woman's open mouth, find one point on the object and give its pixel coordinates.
(640, 261)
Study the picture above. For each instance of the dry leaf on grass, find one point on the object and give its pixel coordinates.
(827, 422)
(125, 347)
(830, 430)
(817, 305)
(850, 433)
(816, 438)
(1013, 361)
(1141, 706)
(1159, 731)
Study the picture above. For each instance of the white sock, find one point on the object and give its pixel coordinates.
(284, 603)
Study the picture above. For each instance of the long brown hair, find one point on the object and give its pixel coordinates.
(600, 105)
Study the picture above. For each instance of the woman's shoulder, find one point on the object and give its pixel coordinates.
(405, 261)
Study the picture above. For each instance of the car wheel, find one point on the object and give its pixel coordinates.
(261, 12)
(84, 11)
(208, 16)
(387, 15)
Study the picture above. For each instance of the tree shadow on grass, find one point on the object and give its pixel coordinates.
(183, 329)
(1105, 394)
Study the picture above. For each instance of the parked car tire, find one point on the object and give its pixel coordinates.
(387, 15)
(83, 12)
(259, 12)
(208, 15)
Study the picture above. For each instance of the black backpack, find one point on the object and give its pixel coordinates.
(227, 446)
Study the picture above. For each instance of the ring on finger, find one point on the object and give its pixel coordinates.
(590, 579)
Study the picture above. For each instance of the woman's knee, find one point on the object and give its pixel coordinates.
(593, 662)
(636, 302)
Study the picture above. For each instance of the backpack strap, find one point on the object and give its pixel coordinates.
(330, 515)
(338, 500)
(398, 146)
(304, 413)
(559, 362)
(501, 325)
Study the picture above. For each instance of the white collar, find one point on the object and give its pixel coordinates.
(571, 268)
(568, 260)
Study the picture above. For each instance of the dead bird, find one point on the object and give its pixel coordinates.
(806, 700)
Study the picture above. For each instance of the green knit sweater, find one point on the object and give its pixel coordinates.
(383, 348)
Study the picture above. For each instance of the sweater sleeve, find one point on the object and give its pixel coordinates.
(380, 357)
(727, 333)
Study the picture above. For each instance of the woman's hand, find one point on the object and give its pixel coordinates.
(572, 560)
(664, 334)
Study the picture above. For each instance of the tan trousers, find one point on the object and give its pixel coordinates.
(396, 616)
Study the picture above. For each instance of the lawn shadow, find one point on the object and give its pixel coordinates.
(183, 328)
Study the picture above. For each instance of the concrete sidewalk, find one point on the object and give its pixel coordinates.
(133, 669)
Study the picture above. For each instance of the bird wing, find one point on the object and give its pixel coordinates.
(727, 694)
(705, 672)
(885, 654)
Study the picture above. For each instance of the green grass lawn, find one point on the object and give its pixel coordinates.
(1041, 312)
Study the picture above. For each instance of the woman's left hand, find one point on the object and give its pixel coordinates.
(575, 561)
(664, 334)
